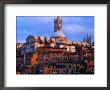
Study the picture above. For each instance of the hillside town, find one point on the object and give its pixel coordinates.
(56, 54)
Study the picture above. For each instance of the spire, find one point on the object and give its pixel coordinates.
(84, 40)
(87, 38)
(58, 24)
(90, 39)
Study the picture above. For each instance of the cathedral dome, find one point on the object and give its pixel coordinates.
(58, 34)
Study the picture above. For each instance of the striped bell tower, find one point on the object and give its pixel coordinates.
(58, 24)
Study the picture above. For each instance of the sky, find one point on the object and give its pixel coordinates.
(73, 27)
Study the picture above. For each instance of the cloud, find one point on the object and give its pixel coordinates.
(77, 19)
(22, 32)
(75, 29)
(25, 31)
(20, 41)
(73, 19)
(45, 19)
(77, 32)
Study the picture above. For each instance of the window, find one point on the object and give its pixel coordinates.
(69, 66)
(66, 71)
(63, 70)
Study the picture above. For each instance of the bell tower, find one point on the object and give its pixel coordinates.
(58, 24)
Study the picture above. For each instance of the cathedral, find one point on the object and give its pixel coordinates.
(58, 39)
(55, 55)
(88, 39)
